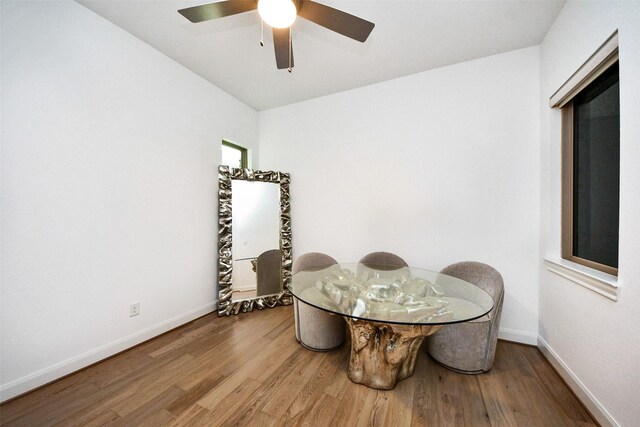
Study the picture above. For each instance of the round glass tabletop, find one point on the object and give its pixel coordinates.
(385, 294)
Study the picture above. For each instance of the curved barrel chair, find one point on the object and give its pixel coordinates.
(470, 347)
(382, 264)
(269, 273)
(382, 260)
(316, 329)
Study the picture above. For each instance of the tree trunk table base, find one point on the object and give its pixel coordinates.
(382, 353)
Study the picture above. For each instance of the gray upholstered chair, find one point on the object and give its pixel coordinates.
(470, 347)
(269, 273)
(382, 264)
(316, 329)
(384, 260)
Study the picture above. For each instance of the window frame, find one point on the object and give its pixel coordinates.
(567, 209)
(593, 67)
(605, 57)
(244, 157)
(598, 281)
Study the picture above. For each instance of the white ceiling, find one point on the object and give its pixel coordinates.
(409, 37)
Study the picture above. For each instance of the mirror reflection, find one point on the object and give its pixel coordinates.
(257, 259)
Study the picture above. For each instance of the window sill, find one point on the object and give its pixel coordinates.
(597, 281)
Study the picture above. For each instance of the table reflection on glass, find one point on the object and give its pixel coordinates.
(389, 312)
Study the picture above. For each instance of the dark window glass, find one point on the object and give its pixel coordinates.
(596, 173)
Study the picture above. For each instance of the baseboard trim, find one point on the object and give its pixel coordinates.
(581, 391)
(66, 367)
(522, 337)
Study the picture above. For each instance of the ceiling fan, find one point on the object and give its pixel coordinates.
(280, 15)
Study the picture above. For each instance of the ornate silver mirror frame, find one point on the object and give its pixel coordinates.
(225, 255)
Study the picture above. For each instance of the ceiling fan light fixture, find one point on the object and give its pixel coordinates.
(277, 13)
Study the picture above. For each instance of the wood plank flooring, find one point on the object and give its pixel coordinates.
(248, 370)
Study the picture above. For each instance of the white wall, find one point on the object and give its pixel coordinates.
(109, 190)
(437, 167)
(596, 339)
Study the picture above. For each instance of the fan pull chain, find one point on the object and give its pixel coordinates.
(290, 49)
(261, 32)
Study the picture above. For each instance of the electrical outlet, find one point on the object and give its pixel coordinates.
(134, 309)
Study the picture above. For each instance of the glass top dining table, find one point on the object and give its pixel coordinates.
(389, 312)
(410, 296)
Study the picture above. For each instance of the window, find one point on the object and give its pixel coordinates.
(591, 163)
(593, 156)
(233, 155)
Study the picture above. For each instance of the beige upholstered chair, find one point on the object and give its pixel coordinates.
(382, 260)
(269, 273)
(316, 329)
(383, 264)
(470, 347)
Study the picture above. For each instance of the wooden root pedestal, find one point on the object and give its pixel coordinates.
(383, 354)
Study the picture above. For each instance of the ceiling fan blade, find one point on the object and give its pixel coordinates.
(220, 9)
(336, 20)
(281, 46)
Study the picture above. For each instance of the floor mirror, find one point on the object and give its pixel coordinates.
(254, 246)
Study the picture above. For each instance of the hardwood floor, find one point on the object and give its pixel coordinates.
(249, 370)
